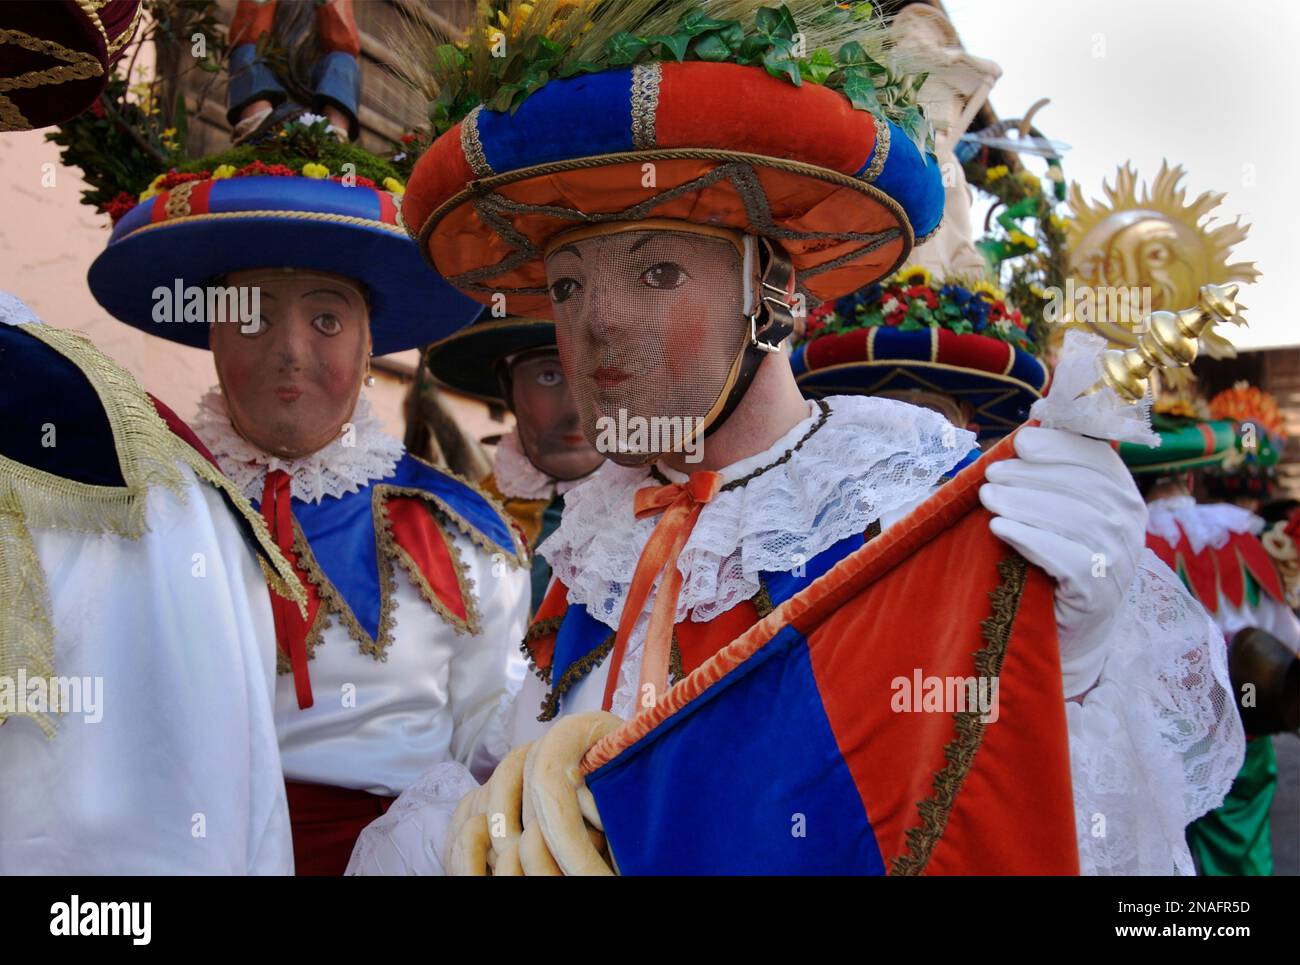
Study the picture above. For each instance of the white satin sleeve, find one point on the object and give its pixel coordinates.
(409, 839)
(177, 771)
(1158, 741)
(483, 674)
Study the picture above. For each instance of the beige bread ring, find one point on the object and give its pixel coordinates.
(462, 839)
(534, 859)
(508, 864)
(505, 797)
(553, 785)
(469, 856)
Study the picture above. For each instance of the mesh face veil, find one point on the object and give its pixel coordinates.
(652, 330)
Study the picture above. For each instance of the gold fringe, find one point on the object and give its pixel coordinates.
(147, 454)
(391, 550)
(520, 557)
(959, 754)
(540, 628)
(575, 672)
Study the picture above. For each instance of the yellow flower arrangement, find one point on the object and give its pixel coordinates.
(223, 171)
(394, 186)
(990, 291)
(154, 188)
(915, 275)
(1030, 181)
(997, 173)
(313, 170)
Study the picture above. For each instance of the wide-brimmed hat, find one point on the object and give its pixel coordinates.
(196, 231)
(911, 333)
(715, 139)
(469, 361)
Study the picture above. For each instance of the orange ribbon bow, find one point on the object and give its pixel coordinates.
(681, 504)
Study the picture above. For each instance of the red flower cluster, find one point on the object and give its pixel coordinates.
(119, 205)
(360, 180)
(173, 178)
(258, 169)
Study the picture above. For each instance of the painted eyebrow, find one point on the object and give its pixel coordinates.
(329, 291)
(645, 239)
(569, 248)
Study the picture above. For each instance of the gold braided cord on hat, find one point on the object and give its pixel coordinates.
(78, 65)
(735, 166)
(291, 215)
(148, 453)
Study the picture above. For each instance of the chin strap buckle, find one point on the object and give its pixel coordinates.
(773, 322)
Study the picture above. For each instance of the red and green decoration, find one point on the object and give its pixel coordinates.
(1241, 569)
(591, 36)
(911, 332)
(1187, 442)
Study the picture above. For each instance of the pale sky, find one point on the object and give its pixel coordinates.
(1206, 84)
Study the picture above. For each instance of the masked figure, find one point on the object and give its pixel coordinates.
(416, 592)
(136, 663)
(1237, 576)
(514, 362)
(730, 587)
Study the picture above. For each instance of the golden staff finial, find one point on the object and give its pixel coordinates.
(1169, 340)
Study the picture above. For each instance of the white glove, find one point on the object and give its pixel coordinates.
(1069, 506)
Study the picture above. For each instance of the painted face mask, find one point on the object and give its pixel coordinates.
(653, 328)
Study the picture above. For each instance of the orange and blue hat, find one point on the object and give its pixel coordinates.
(693, 126)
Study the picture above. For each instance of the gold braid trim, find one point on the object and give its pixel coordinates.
(331, 602)
(645, 104)
(472, 146)
(880, 154)
(287, 215)
(675, 671)
(520, 557)
(147, 453)
(539, 629)
(959, 753)
(78, 65)
(575, 672)
(393, 551)
(122, 39)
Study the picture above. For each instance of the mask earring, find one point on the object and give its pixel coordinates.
(370, 380)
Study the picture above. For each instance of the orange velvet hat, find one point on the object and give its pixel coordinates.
(843, 189)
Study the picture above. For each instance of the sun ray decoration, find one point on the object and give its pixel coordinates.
(1150, 239)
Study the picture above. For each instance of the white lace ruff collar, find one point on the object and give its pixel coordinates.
(1206, 524)
(516, 476)
(871, 456)
(344, 466)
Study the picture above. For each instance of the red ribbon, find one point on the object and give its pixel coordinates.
(681, 504)
(290, 626)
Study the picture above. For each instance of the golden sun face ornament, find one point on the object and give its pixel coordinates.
(1153, 238)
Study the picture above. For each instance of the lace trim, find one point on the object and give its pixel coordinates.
(959, 753)
(1206, 524)
(871, 456)
(346, 465)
